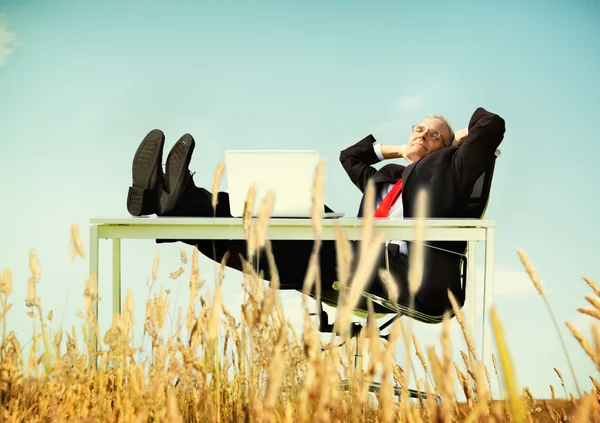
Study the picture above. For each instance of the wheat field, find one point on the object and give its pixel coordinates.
(258, 368)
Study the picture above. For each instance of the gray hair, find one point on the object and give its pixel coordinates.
(442, 119)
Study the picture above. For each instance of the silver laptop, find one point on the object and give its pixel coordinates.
(289, 173)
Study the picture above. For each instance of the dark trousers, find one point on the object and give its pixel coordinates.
(291, 256)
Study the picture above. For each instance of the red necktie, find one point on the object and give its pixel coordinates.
(389, 200)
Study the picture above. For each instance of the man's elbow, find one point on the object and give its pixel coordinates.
(498, 125)
(343, 156)
(492, 121)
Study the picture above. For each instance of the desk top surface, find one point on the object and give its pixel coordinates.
(274, 222)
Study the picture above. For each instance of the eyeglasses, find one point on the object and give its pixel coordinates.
(432, 133)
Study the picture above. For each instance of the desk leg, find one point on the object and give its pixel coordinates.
(116, 303)
(488, 291)
(471, 299)
(94, 271)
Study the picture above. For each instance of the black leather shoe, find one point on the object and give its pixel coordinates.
(147, 174)
(176, 174)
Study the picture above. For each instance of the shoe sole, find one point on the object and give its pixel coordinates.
(141, 198)
(176, 173)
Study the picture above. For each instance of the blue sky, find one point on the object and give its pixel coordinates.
(81, 84)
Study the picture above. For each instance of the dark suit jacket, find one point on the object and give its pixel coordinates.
(448, 175)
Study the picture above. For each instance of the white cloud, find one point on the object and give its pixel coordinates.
(511, 283)
(410, 103)
(7, 40)
(388, 127)
(397, 125)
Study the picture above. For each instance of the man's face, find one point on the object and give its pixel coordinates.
(426, 137)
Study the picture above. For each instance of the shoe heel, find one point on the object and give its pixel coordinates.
(141, 202)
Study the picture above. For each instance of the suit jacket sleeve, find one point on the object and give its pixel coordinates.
(357, 160)
(485, 133)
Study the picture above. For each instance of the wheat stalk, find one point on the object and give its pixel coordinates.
(76, 246)
(590, 312)
(562, 381)
(593, 301)
(215, 185)
(257, 369)
(390, 284)
(275, 372)
(249, 231)
(507, 367)
(538, 286)
(592, 285)
(584, 344)
(360, 279)
(586, 409)
(417, 253)
(419, 353)
(318, 200)
(460, 318)
(367, 230)
(446, 370)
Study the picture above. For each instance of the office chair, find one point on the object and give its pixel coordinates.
(476, 207)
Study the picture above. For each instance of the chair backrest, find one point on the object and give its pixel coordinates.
(480, 195)
(476, 206)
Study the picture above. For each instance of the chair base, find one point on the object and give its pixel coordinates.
(412, 393)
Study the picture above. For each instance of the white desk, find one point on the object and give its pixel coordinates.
(469, 230)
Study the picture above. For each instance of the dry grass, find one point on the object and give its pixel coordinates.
(215, 368)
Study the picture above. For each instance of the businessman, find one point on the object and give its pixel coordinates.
(446, 163)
